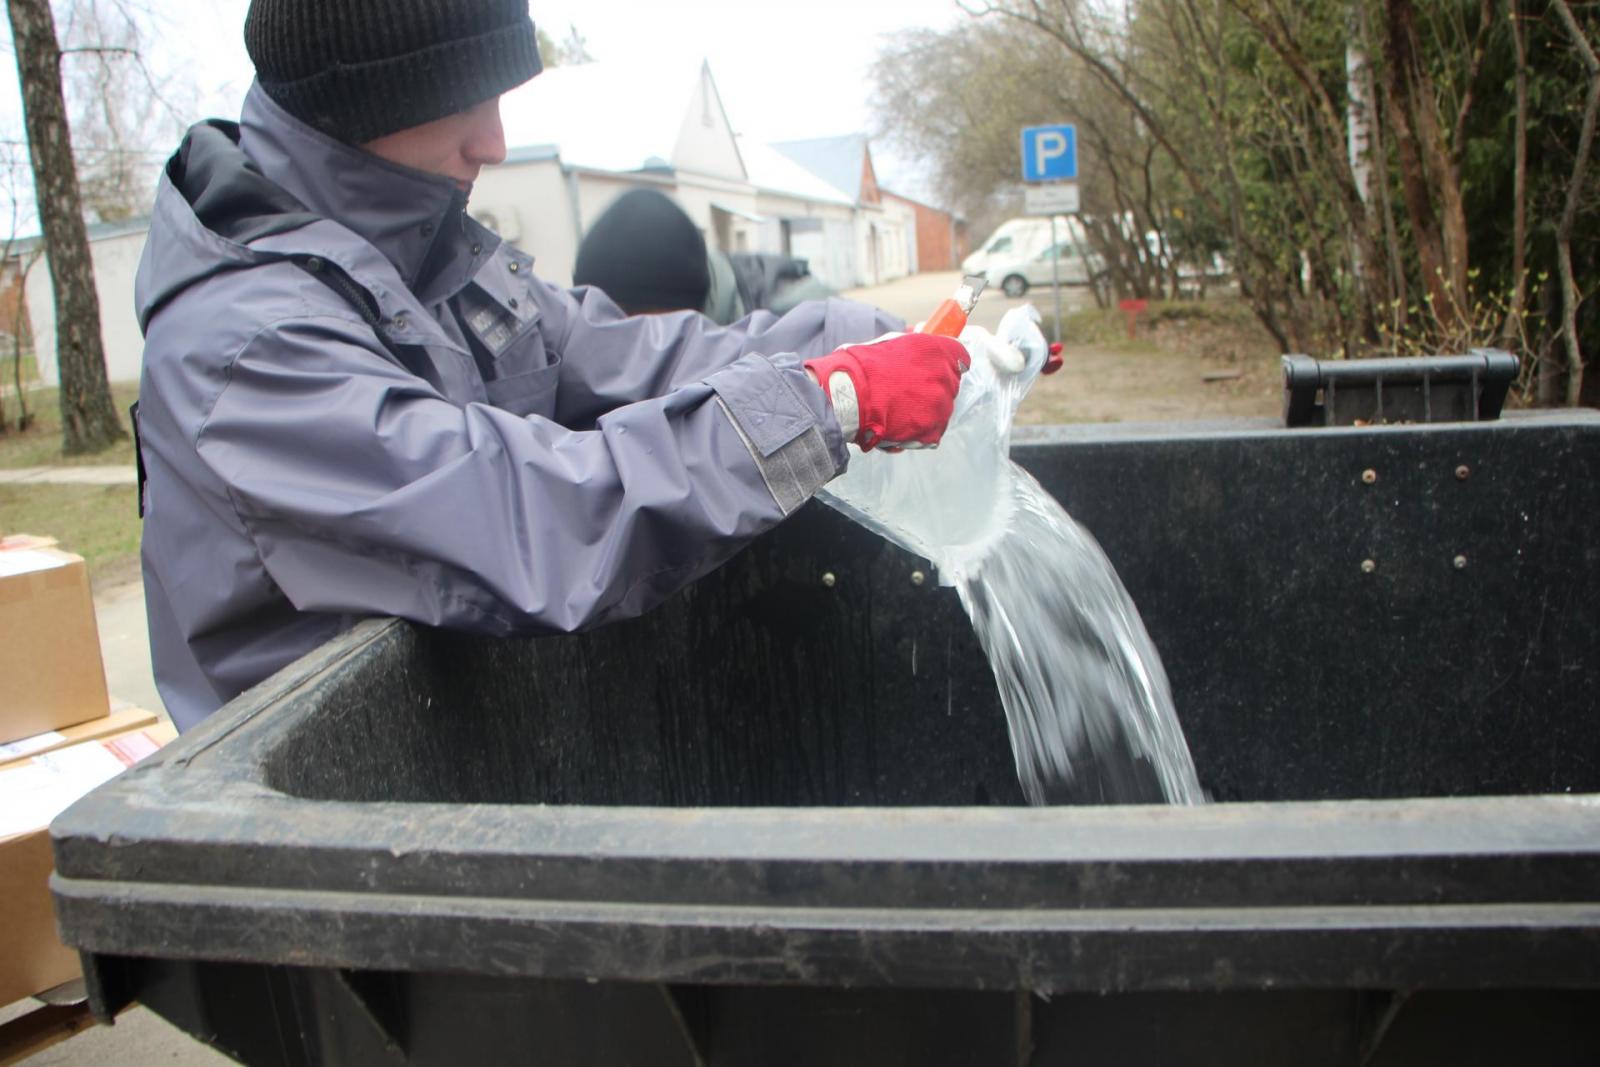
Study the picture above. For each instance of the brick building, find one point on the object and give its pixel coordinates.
(942, 238)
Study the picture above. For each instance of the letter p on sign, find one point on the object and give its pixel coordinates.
(1050, 153)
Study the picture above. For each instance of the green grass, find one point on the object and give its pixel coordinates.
(40, 445)
(8, 374)
(98, 522)
(1090, 326)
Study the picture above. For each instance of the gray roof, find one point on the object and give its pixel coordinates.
(839, 161)
(533, 153)
(99, 231)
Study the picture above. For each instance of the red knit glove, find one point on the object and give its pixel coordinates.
(904, 388)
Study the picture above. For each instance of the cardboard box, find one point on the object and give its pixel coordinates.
(32, 960)
(49, 645)
(32, 792)
(119, 721)
(13, 541)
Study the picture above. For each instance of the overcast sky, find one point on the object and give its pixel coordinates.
(786, 70)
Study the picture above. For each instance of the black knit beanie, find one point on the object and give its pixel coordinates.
(646, 254)
(360, 69)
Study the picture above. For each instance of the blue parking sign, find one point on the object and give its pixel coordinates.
(1050, 153)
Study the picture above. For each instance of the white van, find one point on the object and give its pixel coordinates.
(1017, 255)
(1073, 264)
(1017, 239)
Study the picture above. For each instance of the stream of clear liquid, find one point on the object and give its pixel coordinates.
(1087, 703)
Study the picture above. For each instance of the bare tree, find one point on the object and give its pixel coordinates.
(25, 266)
(571, 51)
(1092, 36)
(17, 284)
(1519, 179)
(119, 110)
(1570, 295)
(88, 418)
(1341, 154)
(1430, 157)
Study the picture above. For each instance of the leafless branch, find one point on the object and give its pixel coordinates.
(1571, 296)
(1474, 65)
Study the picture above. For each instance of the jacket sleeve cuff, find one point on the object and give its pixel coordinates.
(783, 419)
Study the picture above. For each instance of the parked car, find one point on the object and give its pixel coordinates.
(1014, 239)
(1007, 242)
(1016, 275)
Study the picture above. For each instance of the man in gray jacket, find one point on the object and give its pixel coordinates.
(356, 401)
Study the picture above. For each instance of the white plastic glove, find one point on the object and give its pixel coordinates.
(1005, 358)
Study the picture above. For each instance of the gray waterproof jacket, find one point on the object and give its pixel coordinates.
(356, 401)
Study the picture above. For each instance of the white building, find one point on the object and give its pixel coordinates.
(581, 136)
(805, 216)
(114, 249)
(885, 239)
(578, 138)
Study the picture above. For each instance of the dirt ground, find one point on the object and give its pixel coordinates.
(1186, 360)
(1151, 381)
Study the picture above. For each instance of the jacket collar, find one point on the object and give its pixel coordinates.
(417, 221)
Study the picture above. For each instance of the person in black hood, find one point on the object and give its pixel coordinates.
(646, 254)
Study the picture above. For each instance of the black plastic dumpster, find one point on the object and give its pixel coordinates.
(776, 821)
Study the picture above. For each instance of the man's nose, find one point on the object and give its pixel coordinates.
(486, 143)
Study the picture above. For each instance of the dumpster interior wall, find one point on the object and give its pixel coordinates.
(1355, 614)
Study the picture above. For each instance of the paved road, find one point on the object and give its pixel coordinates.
(913, 298)
(68, 476)
(140, 1037)
(125, 645)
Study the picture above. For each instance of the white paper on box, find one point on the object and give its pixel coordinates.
(31, 796)
(26, 561)
(29, 745)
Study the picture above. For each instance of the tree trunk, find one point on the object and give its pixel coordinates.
(1512, 331)
(88, 418)
(24, 416)
(1439, 232)
(1570, 296)
(1358, 117)
(1324, 137)
(1364, 149)
(1394, 310)
(25, 264)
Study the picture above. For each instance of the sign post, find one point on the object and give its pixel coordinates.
(1050, 167)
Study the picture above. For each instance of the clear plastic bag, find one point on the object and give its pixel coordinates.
(1087, 703)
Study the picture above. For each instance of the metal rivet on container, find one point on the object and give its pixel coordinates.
(516, 267)
(399, 322)
(1463, 472)
(917, 577)
(1461, 563)
(829, 580)
(1369, 476)
(1368, 566)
